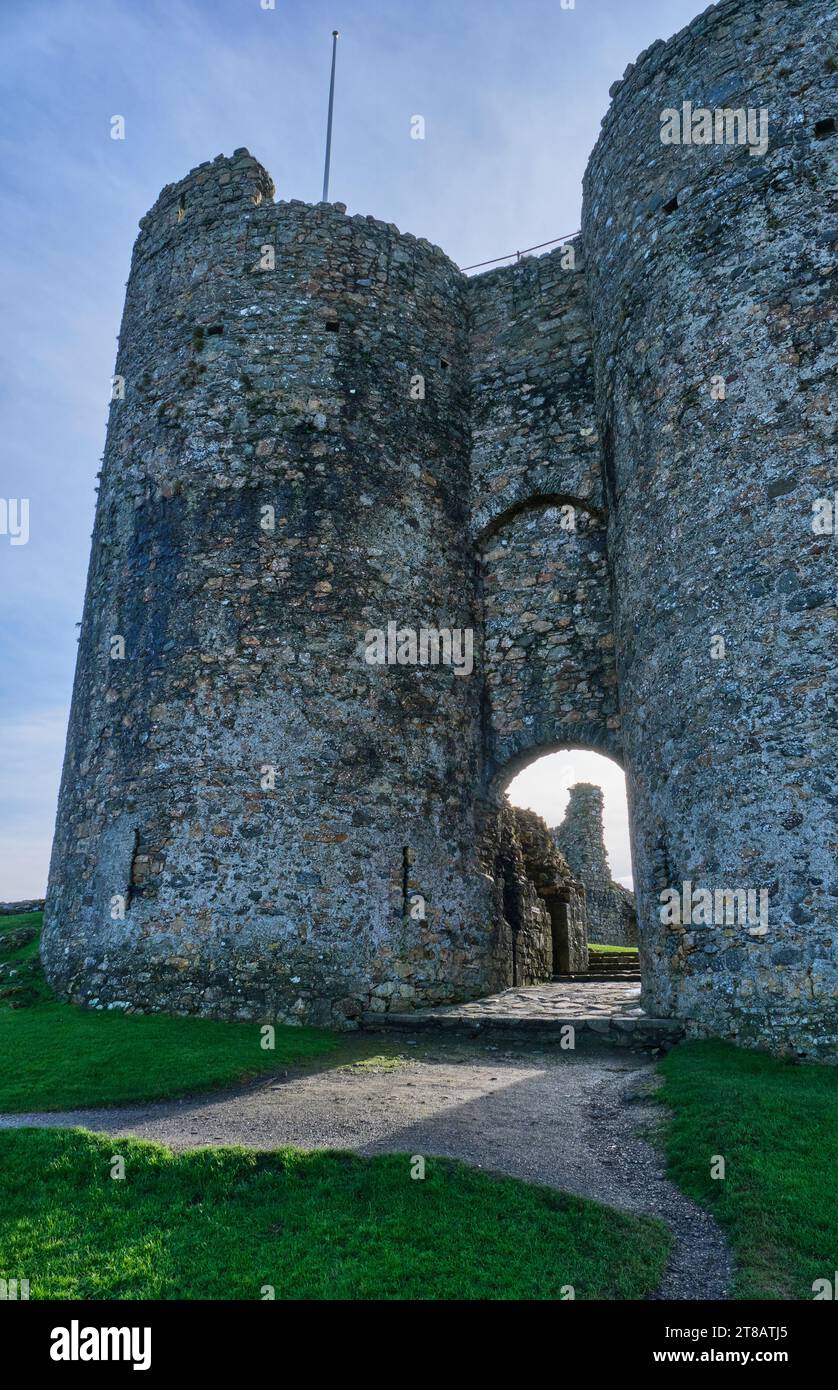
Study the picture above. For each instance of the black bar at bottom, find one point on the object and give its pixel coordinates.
(204, 1337)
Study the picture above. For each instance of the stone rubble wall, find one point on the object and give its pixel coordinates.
(612, 920)
(549, 643)
(533, 414)
(551, 876)
(532, 882)
(287, 388)
(550, 673)
(705, 261)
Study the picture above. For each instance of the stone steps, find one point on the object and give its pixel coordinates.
(609, 976)
(624, 1030)
(612, 965)
(601, 959)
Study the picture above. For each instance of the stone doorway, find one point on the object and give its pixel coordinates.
(559, 909)
(571, 914)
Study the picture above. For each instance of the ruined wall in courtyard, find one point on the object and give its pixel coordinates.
(612, 919)
(540, 905)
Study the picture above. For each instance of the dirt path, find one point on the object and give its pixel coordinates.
(573, 1120)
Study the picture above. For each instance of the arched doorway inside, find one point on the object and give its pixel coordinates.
(573, 802)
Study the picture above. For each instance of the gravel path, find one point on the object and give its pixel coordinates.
(573, 1120)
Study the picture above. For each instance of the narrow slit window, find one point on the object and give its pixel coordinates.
(407, 859)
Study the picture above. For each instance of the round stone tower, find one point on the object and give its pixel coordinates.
(263, 811)
(712, 270)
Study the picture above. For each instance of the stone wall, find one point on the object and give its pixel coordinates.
(540, 906)
(612, 920)
(558, 889)
(711, 267)
(265, 803)
(533, 418)
(549, 644)
(537, 513)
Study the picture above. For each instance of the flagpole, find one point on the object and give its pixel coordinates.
(329, 123)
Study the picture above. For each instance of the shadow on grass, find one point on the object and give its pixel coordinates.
(233, 1224)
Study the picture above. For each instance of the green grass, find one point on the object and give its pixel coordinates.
(59, 1057)
(623, 950)
(222, 1223)
(22, 980)
(776, 1126)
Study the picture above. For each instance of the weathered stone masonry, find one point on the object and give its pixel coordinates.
(609, 908)
(706, 261)
(550, 675)
(538, 902)
(363, 867)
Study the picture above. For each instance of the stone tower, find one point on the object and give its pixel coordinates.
(599, 466)
(611, 916)
(258, 797)
(580, 837)
(712, 287)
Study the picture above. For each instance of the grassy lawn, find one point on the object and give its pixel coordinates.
(623, 950)
(59, 1057)
(21, 978)
(65, 1057)
(222, 1223)
(776, 1126)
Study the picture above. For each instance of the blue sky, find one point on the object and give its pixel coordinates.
(512, 92)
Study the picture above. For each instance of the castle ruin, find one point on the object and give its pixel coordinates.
(609, 907)
(581, 487)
